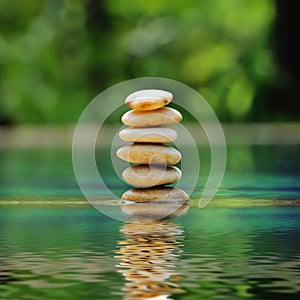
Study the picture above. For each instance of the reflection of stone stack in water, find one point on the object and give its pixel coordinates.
(153, 158)
(148, 259)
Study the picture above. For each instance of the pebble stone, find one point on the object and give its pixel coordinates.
(148, 135)
(155, 193)
(149, 154)
(153, 210)
(144, 176)
(148, 99)
(150, 198)
(157, 117)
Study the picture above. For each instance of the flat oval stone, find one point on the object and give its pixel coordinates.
(148, 135)
(154, 210)
(155, 194)
(146, 176)
(149, 154)
(148, 99)
(157, 117)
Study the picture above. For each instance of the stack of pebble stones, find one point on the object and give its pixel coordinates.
(147, 133)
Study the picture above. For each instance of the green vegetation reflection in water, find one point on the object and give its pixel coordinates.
(251, 173)
(211, 252)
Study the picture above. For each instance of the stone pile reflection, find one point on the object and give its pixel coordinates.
(148, 259)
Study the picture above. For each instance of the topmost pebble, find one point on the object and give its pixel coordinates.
(148, 99)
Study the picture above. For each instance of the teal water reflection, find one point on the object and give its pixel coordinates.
(251, 172)
(53, 245)
(77, 253)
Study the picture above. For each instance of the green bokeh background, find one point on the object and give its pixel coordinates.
(57, 55)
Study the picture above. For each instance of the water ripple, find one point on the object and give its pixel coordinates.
(213, 253)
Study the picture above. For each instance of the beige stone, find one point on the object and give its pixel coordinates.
(149, 154)
(148, 135)
(157, 117)
(148, 99)
(154, 210)
(145, 176)
(155, 193)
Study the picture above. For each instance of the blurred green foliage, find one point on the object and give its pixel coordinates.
(56, 55)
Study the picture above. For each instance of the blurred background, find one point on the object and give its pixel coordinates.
(57, 55)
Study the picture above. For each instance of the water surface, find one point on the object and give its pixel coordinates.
(245, 244)
(77, 253)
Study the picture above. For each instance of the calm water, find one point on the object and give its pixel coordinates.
(235, 250)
